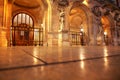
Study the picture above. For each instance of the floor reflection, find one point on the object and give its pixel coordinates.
(106, 62)
(42, 68)
(82, 65)
(35, 61)
(81, 56)
(105, 52)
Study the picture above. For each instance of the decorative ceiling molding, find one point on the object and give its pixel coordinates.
(25, 6)
(29, 4)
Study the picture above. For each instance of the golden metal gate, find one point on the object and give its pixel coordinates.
(26, 36)
(77, 38)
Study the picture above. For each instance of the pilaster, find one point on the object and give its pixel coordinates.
(5, 20)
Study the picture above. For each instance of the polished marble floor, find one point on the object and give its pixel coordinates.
(60, 63)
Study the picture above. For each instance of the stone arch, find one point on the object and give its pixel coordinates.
(33, 7)
(26, 12)
(23, 14)
(41, 6)
(76, 21)
(108, 28)
(88, 15)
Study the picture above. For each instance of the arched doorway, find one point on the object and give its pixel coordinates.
(106, 30)
(23, 32)
(78, 23)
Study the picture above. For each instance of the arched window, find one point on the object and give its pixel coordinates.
(23, 18)
(23, 32)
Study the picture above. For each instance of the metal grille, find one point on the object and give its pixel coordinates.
(26, 36)
(77, 38)
(23, 32)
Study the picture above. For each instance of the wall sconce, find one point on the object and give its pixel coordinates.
(42, 25)
(81, 29)
(105, 33)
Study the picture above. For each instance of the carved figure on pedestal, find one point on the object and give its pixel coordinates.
(62, 19)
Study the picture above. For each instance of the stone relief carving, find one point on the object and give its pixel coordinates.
(96, 11)
(100, 26)
(62, 4)
(117, 19)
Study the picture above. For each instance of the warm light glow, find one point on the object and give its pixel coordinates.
(73, 11)
(35, 54)
(3, 39)
(81, 30)
(85, 2)
(105, 52)
(105, 57)
(42, 25)
(105, 33)
(36, 35)
(106, 62)
(81, 56)
(106, 25)
(60, 39)
(82, 65)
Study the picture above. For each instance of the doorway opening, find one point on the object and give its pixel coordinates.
(23, 32)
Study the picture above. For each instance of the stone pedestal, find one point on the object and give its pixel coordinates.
(53, 39)
(58, 39)
(65, 38)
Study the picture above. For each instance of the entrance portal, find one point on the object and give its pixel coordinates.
(23, 32)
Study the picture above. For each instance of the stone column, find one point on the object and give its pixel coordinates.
(117, 19)
(94, 32)
(5, 20)
(57, 35)
(53, 32)
(65, 32)
(97, 25)
(1, 20)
